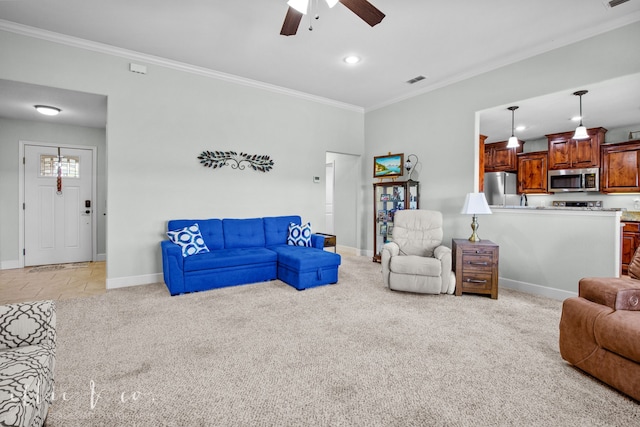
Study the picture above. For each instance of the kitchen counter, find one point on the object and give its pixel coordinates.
(557, 210)
(562, 208)
(630, 216)
(547, 250)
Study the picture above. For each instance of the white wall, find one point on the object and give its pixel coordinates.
(11, 133)
(160, 122)
(440, 126)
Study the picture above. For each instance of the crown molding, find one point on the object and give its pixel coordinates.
(54, 37)
(569, 39)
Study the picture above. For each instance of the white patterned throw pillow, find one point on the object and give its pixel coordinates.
(190, 239)
(299, 235)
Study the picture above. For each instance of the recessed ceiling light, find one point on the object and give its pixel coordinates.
(352, 59)
(47, 110)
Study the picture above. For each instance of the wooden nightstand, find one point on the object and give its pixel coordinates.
(476, 267)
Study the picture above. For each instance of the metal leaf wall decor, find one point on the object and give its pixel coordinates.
(218, 159)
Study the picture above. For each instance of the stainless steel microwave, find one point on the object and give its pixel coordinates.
(566, 180)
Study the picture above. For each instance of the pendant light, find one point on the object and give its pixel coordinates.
(581, 131)
(513, 141)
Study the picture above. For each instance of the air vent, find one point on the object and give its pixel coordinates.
(614, 3)
(416, 79)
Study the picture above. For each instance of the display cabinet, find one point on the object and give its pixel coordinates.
(388, 198)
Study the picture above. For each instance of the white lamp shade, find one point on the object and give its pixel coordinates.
(332, 3)
(581, 133)
(299, 5)
(513, 142)
(475, 204)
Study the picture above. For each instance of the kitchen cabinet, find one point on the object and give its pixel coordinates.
(568, 153)
(532, 172)
(620, 171)
(388, 198)
(499, 158)
(630, 242)
(476, 267)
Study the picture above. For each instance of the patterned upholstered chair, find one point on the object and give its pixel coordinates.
(416, 260)
(27, 361)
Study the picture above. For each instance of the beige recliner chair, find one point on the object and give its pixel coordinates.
(416, 260)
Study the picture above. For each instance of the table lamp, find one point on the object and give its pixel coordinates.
(475, 204)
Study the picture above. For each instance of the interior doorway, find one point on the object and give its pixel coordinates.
(59, 184)
(343, 188)
(329, 224)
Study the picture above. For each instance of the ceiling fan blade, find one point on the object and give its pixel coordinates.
(291, 22)
(365, 10)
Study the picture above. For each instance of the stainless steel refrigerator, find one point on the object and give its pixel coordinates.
(501, 188)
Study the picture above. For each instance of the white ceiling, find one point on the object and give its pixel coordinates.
(446, 41)
(17, 101)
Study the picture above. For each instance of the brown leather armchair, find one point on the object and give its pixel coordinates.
(600, 329)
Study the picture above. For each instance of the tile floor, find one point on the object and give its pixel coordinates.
(56, 282)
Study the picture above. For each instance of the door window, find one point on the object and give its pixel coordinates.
(70, 166)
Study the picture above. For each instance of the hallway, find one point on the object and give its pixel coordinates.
(56, 282)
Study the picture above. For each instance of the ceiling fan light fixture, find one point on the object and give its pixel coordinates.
(299, 5)
(47, 110)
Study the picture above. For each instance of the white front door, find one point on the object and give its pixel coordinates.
(57, 213)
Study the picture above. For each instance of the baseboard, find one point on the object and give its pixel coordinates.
(125, 282)
(10, 265)
(531, 288)
(100, 257)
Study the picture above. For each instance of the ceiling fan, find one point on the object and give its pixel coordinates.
(297, 8)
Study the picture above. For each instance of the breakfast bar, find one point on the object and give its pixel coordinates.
(547, 250)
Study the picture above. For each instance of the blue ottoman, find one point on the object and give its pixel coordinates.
(305, 268)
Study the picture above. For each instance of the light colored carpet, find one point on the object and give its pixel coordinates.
(351, 354)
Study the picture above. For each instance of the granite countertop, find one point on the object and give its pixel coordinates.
(564, 208)
(630, 216)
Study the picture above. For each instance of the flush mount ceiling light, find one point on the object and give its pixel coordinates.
(352, 59)
(513, 141)
(47, 110)
(581, 131)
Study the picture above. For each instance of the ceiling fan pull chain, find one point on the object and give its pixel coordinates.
(312, 6)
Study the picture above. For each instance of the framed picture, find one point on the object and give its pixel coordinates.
(389, 166)
(385, 197)
(382, 215)
(383, 229)
(390, 230)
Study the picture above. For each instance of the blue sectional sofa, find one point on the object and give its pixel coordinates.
(241, 251)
